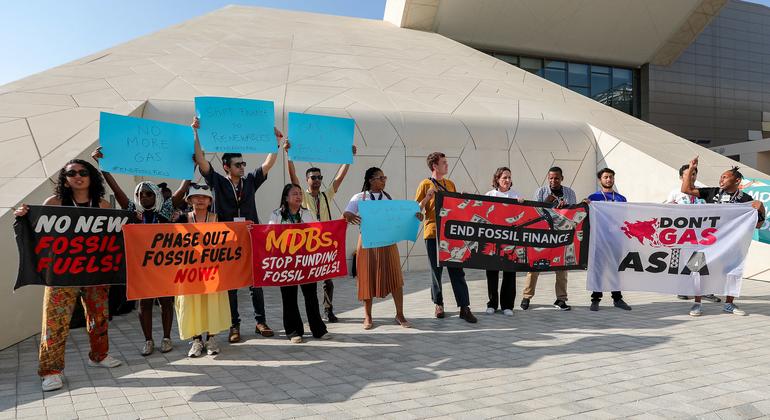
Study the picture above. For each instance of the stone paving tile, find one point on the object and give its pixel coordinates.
(652, 362)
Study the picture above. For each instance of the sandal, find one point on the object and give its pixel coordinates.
(368, 325)
(404, 323)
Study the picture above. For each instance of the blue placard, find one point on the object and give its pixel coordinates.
(386, 222)
(236, 125)
(318, 138)
(136, 146)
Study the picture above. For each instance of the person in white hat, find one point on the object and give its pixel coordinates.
(206, 313)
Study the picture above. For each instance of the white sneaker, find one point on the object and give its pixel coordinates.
(296, 339)
(508, 312)
(696, 310)
(52, 382)
(326, 336)
(490, 311)
(166, 345)
(196, 349)
(149, 347)
(107, 362)
(212, 347)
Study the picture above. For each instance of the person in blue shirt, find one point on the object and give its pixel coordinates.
(607, 193)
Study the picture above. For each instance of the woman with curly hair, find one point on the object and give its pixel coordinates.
(80, 185)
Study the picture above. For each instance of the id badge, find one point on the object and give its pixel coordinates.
(239, 219)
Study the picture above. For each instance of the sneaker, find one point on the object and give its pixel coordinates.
(166, 346)
(196, 349)
(52, 382)
(212, 347)
(149, 347)
(711, 298)
(235, 334)
(508, 312)
(524, 304)
(490, 311)
(594, 306)
(696, 310)
(561, 305)
(107, 362)
(330, 317)
(264, 330)
(730, 308)
(296, 339)
(467, 315)
(326, 336)
(682, 297)
(620, 303)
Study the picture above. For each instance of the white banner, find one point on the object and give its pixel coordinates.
(666, 248)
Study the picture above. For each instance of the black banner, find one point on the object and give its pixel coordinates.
(493, 233)
(71, 246)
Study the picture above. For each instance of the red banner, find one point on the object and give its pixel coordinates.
(298, 253)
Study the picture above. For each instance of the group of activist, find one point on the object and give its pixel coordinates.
(231, 197)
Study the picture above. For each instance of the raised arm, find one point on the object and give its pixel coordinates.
(200, 157)
(178, 198)
(120, 195)
(272, 157)
(688, 179)
(341, 172)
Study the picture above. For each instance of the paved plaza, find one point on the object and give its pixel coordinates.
(652, 362)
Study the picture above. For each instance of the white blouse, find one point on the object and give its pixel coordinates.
(508, 194)
(353, 204)
(277, 219)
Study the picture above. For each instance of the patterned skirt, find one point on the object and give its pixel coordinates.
(379, 271)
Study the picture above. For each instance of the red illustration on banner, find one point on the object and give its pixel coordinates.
(298, 253)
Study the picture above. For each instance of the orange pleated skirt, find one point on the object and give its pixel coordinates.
(379, 271)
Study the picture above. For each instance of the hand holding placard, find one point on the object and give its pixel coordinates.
(136, 146)
(320, 138)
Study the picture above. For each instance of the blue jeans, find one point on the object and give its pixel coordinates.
(456, 277)
(257, 301)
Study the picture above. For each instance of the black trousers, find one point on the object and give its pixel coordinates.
(507, 289)
(292, 319)
(597, 296)
(257, 302)
(328, 289)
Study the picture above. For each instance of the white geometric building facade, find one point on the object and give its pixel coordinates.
(410, 93)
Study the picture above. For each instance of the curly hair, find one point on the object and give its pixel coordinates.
(96, 189)
(498, 173)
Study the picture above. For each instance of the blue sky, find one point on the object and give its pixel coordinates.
(39, 34)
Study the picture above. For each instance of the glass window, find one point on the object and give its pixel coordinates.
(581, 90)
(552, 64)
(578, 75)
(621, 78)
(600, 86)
(600, 69)
(512, 59)
(556, 76)
(532, 65)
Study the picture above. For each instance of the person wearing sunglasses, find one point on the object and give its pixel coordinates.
(234, 201)
(79, 184)
(150, 205)
(379, 269)
(319, 203)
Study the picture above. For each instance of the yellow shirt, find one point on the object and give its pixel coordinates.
(310, 203)
(429, 229)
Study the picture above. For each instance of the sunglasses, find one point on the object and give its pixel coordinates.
(199, 187)
(316, 177)
(71, 173)
(380, 178)
(239, 164)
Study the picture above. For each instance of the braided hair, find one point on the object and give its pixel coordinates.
(736, 173)
(369, 175)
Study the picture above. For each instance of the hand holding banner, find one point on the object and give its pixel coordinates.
(136, 146)
(759, 189)
(186, 258)
(386, 222)
(319, 138)
(291, 254)
(236, 125)
(70, 246)
(478, 231)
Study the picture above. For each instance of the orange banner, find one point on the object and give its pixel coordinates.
(186, 259)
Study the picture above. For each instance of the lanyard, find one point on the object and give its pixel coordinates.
(193, 216)
(236, 195)
(154, 218)
(732, 198)
(292, 219)
(318, 206)
(605, 196)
